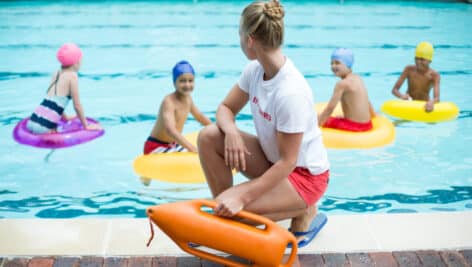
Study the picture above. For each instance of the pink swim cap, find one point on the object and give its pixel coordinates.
(69, 54)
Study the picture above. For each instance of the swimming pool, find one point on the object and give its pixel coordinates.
(129, 50)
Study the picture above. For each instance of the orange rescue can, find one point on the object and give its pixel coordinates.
(186, 222)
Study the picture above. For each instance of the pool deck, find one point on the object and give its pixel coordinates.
(413, 239)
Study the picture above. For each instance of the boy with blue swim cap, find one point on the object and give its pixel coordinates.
(344, 55)
(180, 68)
(166, 135)
(420, 78)
(352, 94)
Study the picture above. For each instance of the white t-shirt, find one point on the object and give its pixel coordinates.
(285, 104)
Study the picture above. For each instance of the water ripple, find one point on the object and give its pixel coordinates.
(113, 120)
(160, 74)
(219, 45)
(465, 114)
(134, 204)
(195, 26)
(392, 200)
(100, 12)
(141, 75)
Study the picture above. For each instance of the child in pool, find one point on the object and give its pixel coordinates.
(63, 88)
(352, 93)
(166, 135)
(420, 78)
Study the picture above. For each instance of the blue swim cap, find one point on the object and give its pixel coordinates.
(344, 55)
(180, 68)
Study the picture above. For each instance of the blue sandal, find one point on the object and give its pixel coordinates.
(318, 222)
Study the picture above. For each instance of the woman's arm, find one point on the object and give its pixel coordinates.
(235, 149)
(229, 108)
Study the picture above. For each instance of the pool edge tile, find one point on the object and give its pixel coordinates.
(128, 237)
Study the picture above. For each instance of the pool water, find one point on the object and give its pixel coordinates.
(129, 49)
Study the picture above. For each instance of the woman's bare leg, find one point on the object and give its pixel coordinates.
(279, 203)
(210, 144)
(211, 152)
(301, 223)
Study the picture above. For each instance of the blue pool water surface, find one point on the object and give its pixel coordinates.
(129, 49)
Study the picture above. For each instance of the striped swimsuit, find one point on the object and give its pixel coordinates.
(47, 115)
(153, 145)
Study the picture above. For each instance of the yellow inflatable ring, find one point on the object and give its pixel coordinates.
(414, 110)
(381, 134)
(177, 167)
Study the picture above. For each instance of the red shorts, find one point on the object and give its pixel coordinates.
(153, 145)
(310, 187)
(347, 125)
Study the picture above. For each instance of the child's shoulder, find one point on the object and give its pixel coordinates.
(173, 98)
(350, 78)
(70, 75)
(434, 74)
(167, 102)
(433, 71)
(409, 68)
(169, 98)
(344, 83)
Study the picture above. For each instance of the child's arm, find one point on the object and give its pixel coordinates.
(398, 85)
(168, 116)
(74, 92)
(199, 116)
(430, 104)
(337, 94)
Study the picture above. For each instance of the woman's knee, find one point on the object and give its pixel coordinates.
(208, 136)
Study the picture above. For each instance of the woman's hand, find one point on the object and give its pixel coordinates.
(228, 206)
(235, 151)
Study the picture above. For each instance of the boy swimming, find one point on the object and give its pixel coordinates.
(352, 94)
(166, 135)
(421, 78)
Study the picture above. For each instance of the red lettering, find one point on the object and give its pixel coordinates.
(265, 115)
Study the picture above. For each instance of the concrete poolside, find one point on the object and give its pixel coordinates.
(414, 239)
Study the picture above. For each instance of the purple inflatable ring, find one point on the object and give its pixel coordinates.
(69, 133)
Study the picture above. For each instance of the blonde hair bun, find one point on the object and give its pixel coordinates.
(274, 10)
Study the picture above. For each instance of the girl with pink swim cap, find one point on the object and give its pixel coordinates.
(64, 87)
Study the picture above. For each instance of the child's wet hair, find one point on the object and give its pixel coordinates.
(264, 22)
